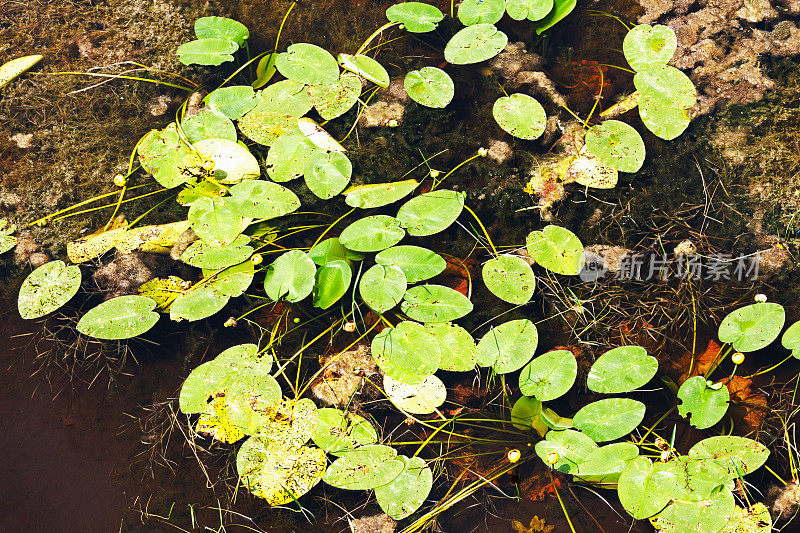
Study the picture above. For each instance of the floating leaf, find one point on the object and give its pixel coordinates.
(756, 519)
(571, 447)
(366, 67)
(525, 413)
(7, 239)
(372, 234)
(520, 115)
(277, 473)
(456, 346)
(382, 287)
(290, 422)
(332, 250)
(554, 421)
(622, 369)
(156, 239)
(549, 376)
(430, 86)
(307, 63)
(556, 249)
(709, 515)
(609, 419)
(416, 17)
(706, 405)
(286, 97)
(215, 222)
(589, 171)
(646, 46)
(752, 327)
(408, 352)
(471, 12)
(233, 102)
(211, 51)
(318, 136)
(288, 157)
(667, 85)
(290, 275)
(222, 28)
(341, 431)
(208, 124)
(378, 194)
(407, 492)
(217, 423)
(417, 263)
(474, 44)
(738, 456)
(94, 245)
(331, 283)
(638, 491)
(617, 145)
(528, 9)
(264, 127)
(364, 468)
(262, 199)
(201, 255)
(122, 317)
(48, 288)
(509, 346)
(12, 69)
(170, 160)
(197, 304)
(335, 99)
(435, 303)
(605, 464)
(431, 212)
(233, 162)
(663, 119)
(685, 478)
(163, 291)
(420, 399)
(193, 192)
(232, 281)
(509, 278)
(328, 173)
(561, 8)
(791, 339)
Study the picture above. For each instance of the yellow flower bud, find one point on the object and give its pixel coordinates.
(760, 298)
(737, 358)
(230, 323)
(434, 173)
(257, 259)
(119, 180)
(482, 152)
(513, 456)
(552, 458)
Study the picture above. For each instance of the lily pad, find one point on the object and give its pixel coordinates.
(233, 162)
(528, 9)
(430, 86)
(7, 239)
(328, 173)
(262, 199)
(48, 288)
(215, 222)
(791, 339)
(288, 157)
(420, 399)
(331, 283)
(201, 255)
(122, 317)
(372, 234)
(738, 456)
(456, 347)
(211, 51)
(208, 124)
(291, 275)
(366, 67)
(289, 423)
(622, 369)
(163, 291)
(509, 346)
(382, 287)
(664, 119)
(406, 493)
(639, 493)
(341, 431)
(605, 464)
(471, 12)
(520, 115)
(474, 44)
(417, 263)
(408, 352)
(416, 17)
(222, 28)
(307, 63)
(571, 448)
(435, 303)
(198, 303)
(231, 281)
(609, 419)
(170, 160)
(756, 519)
(509, 278)
(378, 194)
(265, 127)
(332, 250)
(645, 46)
(617, 145)
(589, 171)
(318, 136)
(234, 101)
(364, 468)
(706, 405)
(431, 212)
(667, 85)
(708, 515)
(752, 327)
(685, 478)
(556, 249)
(525, 413)
(549, 376)
(335, 99)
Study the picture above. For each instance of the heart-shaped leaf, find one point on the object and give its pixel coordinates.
(122, 317)
(556, 249)
(265, 127)
(435, 303)
(328, 173)
(211, 51)
(48, 288)
(752, 327)
(609, 419)
(472, 12)
(170, 160)
(341, 431)
(622, 369)
(408, 352)
(420, 399)
(617, 145)
(571, 448)
(474, 44)
(201, 255)
(372, 234)
(233, 102)
(382, 287)
(378, 194)
(430, 86)
(664, 119)
(366, 67)
(364, 468)
(335, 99)
(738, 456)
(667, 85)
(645, 46)
(222, 28)
(528, 9)
(332, 250)
(288, 157)
(233, 162)
(638, 492)
(706, 405)
(456, 346)
(331, 283)
(520, 115)
(290, 275)
(307, 63)
(407, 492)
(509, 346)
(418, 264)
(262, 199)
(708, 515)
(215, 222)
(604, 465)
(791, 339)
(416, 17)
(208, 124)
(509, 278)
(431, 212)
(549, 376)
(198, 303)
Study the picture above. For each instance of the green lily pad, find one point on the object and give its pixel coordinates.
(456, 347)
(286, 97)
(791, 339)
(290, 422)
(408, 352)
(232, 281)
(262, 199)
(553, 420)
(520, 115)
(525, 413)
(752, 327)
(366, 67)
(706, 405)
(215, 222)
(664, 119)
(222, 28)
(417, 263)
(193, 192)
(382, 287)
(307, 63)
(617, 145)
(708, 515)
(233, 102)
(638, 491)
(331, 283)
(556, 249)
(430, 86)
(14, 68)
(646, 46)
(666, 84)
(208, 124)
(532, 10)
(561, 8)
(622, 369)
(163, 291)
(435, 303)
(341, 431)
(372, 234)
(48, 288)
(549, 376)
(335, 99)
(474, 44)
(738, 456)
(290, 275)
(420, 399)
(407, 492)
(378, 194)
(201, 255)
(416, 17)
(471, 12)
(233, 162)
(288, 157)
(122, 317)
(332, 250)
(609, 419)
(685, 478)
(431, 212)
(509, 346)
(197, 304)
(277, 473)
(605, 464)
(364, 468)
(756, 519)
(509, 278)
(265, 127)
(170, 160)
(328, 173)
(211, 51)
(571, 446)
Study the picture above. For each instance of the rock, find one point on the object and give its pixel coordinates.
(23, 140)
(38, 259)
(379, 523)
(344, 375)
(127, 272)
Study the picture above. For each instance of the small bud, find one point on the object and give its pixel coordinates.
(513, 456)
(434, 173)
(402, 26)
(230, 323)
(393, 123)
(482, 152)
(257, 259)
(760, 298)
(714, 386)
(349, 327)
(737, 358)
(662, 444)
(552, 458)
(186, 284)
(208, 164)
(296, 320)
(119, 180)
(665, 455)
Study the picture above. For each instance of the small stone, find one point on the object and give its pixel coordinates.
(22, 140)
(379, 523)
(38, 259)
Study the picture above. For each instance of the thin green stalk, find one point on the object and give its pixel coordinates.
(560, 501)
(439, 182)
(486, 233)
(375, 34)
(122, 77)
